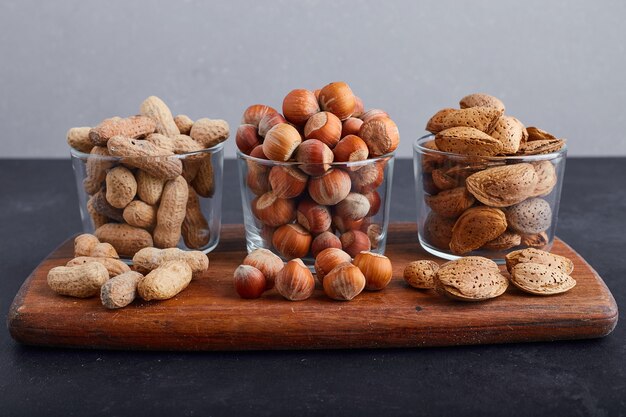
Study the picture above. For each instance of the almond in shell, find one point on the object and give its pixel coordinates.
(505, 241)
(529, 217)
(546, 178)
(534, 133)
(536, 256)
(470, 281)
(540, 147)
(475, 227)
(482, 100)
(467, 141)
(509, 131)
(481, 118)
(540, 279)
(438, 230)
(450, 203)
(539, 240)
(443, 181)
(503, 186)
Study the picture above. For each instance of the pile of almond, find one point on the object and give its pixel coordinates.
(145, 175)
(300, 207)
(474, 278)
(478, 199)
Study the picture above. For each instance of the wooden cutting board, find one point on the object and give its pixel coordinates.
(209, 315)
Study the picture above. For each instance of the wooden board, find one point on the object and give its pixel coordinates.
(209, 315)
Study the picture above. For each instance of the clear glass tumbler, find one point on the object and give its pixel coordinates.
(133, 203)
(296, 209)
(485, 206)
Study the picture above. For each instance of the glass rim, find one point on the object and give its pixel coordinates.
(75, 153)
(269, 162)
(418, 147)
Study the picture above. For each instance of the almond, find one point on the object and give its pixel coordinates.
(534, 133)
(540, 240)
(540, 279)
(470, 281)
(475, 227)
(481, 118)
(503, 186)
(450, 203)
(540, 147)
(443, 181)
(505, 241)
(438, 231)
(546, 178)
(536, 256)
(509, 131)
(421, 274)
(529, 217)
(482, 100)
(467, 141)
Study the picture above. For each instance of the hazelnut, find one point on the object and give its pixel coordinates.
(421, 274)
(381, 135)
(373, 114)
(257, 152)
(338, 99)
(273, 211)
(358, 107)
(375, 201)
(354, 207)
(374, 233)
(287, 181)
(255, 113)
(247, 138)
(267, 262)
(355, 241)
(317, 93)
(249, 281)
(299, 105)
(351, 149)
(313, 217)
(376, 268)
(328, 259)
(351, 126)
(281, 142)
(292, 241)
(315, 157)
(323, 126)
(295, 282)
(269, 121)
(368, 177)
(323, 241)
(343, 224)
(344, 282)
(330, 188)
(257, 178)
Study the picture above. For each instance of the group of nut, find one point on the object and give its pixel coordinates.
(302, 206)
(475, 278)
(341, 277)
(158, 274)
(151, 196)
(480, 203)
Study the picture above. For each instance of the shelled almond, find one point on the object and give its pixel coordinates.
(487, 180)
(146, 175)
(307, 175)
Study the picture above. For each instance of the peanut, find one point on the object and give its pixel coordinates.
(203, 181)
(149, 188)
(185, 144)
(195, 228)
(139, 214)
(184, 123)
(114, 266)
(96, 218)
(171, 213)
(148, 259)
(96, 169)
(209, 133)
(80, 281)
(130, 127)
(190, 169)
(165, 281)
(154, 108)
(147, 156)
(105, 250)
(84, 244)
(165, 144)
(78, 138)
(126, 239)
(121, 290)
(121, 187)
(103, 207)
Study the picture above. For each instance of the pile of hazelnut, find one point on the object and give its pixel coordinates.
(341, 277)
(302, 202)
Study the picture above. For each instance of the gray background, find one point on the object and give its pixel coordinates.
(559, 65)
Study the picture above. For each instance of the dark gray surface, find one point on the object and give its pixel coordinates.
(38, 211)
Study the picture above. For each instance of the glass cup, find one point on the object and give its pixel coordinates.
(297, 209)
(454, 191)
(120, 199)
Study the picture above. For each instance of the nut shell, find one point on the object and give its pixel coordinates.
(330, 188)
(281, 142)
(315, 157)
(313, 217)
(381, 136)
(295, 282)
(376, 268)
(292, 241)
(253, 114)
(323, 241)
(247, 138)
(338, 99)
(325, 127)
(249, 282)
(299, 105)
(272, 210)
(328, 259)
(354, 242)
(350, 149)
(344, 282)
(267, 262)
(287, 181)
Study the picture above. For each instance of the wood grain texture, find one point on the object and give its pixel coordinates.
(209, 315)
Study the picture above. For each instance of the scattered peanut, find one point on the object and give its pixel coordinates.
(166, 281)
(121, 290)
(80, 281)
